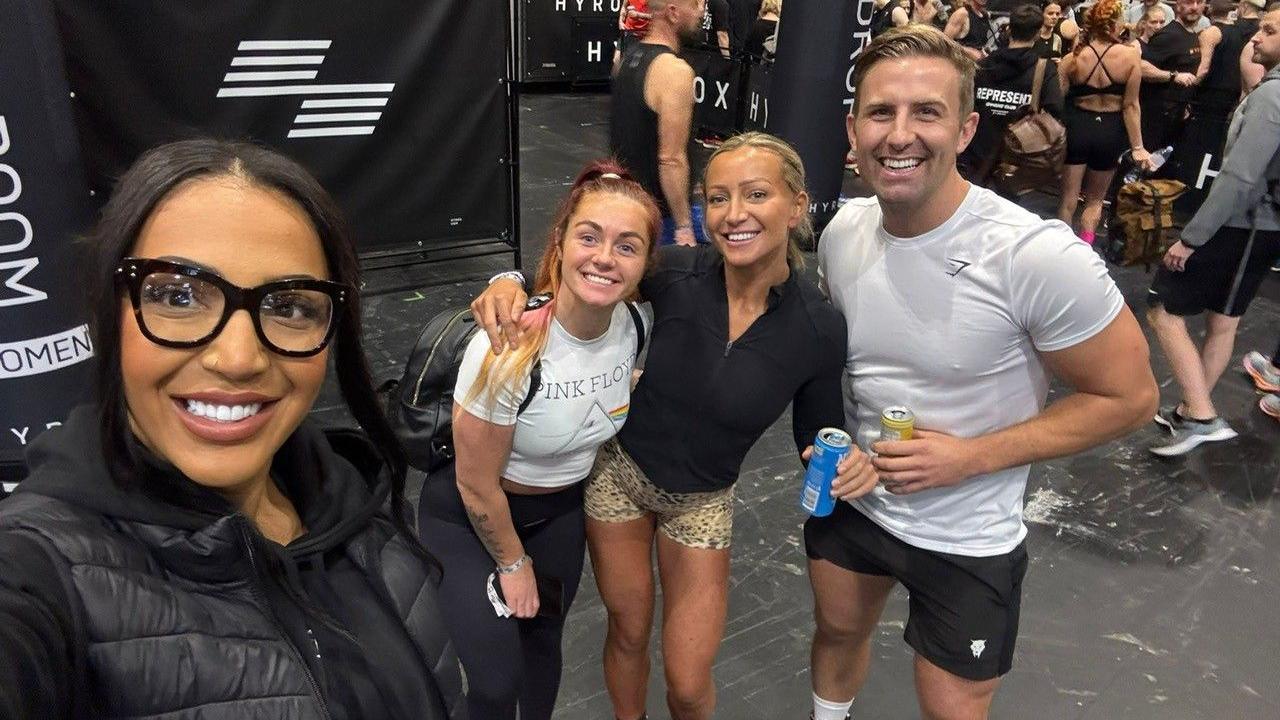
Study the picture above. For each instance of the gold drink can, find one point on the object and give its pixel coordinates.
(897, 423)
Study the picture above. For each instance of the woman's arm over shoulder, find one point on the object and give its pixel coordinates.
(674, 262)
(36, 634)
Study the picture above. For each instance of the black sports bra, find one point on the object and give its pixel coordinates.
(1083, 89)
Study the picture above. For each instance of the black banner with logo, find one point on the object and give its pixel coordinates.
(398, 107)
(44, 202)
(755, 110)
(811, 89)
(567, 40)
(716, 86)
(1197, 157)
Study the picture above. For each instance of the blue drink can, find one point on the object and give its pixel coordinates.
(829, 448)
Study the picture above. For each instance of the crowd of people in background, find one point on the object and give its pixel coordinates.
(1132, 83)
(1130, 77)
(192, 542)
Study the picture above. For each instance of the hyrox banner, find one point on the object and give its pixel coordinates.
(566, 40)
(716, 84)
(44, 203)
(811, 90)
(397, 106)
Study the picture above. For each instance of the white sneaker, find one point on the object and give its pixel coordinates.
(1193, 434)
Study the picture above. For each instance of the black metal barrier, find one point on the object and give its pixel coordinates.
(566, 40)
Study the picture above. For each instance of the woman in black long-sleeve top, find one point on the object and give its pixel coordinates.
(738, 335)
(190, 546)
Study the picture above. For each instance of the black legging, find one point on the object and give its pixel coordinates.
(553, 530)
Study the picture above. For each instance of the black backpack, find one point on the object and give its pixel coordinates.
(420, 404)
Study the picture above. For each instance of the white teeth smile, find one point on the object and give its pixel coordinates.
(896, 164)
(742, 236)
(598, 280)
(223, 413)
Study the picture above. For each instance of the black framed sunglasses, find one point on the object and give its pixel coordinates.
(181, 306)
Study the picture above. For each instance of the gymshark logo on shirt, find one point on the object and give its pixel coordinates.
(977, 646)
(270, 68)
(959, 265)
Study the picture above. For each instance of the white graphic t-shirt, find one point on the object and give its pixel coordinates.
(949, 323)
(583, 401)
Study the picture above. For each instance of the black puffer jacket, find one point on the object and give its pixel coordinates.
(114, 604)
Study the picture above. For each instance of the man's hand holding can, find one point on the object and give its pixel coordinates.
(928, 460)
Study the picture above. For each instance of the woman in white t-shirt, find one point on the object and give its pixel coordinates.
(510, 529)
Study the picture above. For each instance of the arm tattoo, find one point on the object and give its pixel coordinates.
(485, 531)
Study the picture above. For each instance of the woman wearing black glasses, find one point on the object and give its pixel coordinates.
(190, 545)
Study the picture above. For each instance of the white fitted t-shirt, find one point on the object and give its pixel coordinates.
(583, 401)
(948, 323)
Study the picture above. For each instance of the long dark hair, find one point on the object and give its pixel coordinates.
(155, 175)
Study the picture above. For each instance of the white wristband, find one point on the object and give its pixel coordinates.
(513, 567)
(508, 275)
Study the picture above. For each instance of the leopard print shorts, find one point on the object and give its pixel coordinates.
(618, 491)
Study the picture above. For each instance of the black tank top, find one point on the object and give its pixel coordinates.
(979, 35)
(1220, 88)
(633, 126)
(1052, 47)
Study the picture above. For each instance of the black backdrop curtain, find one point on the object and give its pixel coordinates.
(398, 107)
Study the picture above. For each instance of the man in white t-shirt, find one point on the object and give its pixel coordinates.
(960, 305)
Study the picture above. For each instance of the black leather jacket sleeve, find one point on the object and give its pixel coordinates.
(37, 671)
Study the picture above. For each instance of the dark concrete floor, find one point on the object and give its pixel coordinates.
(1149, 583)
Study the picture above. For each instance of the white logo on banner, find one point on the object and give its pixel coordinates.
(35, 356)
(12, 271)
(866, 8)
(351, 109)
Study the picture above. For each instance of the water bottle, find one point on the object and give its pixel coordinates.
(1158, 159)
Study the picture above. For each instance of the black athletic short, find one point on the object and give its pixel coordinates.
(1095, 139)
(1209, 280)
(963, 610)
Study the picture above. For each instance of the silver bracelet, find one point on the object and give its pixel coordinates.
(508, 275)
(513, 567)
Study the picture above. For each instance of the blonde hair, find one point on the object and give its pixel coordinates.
(600, 177)
(792, 168)
(770, 6)
(917, 40)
